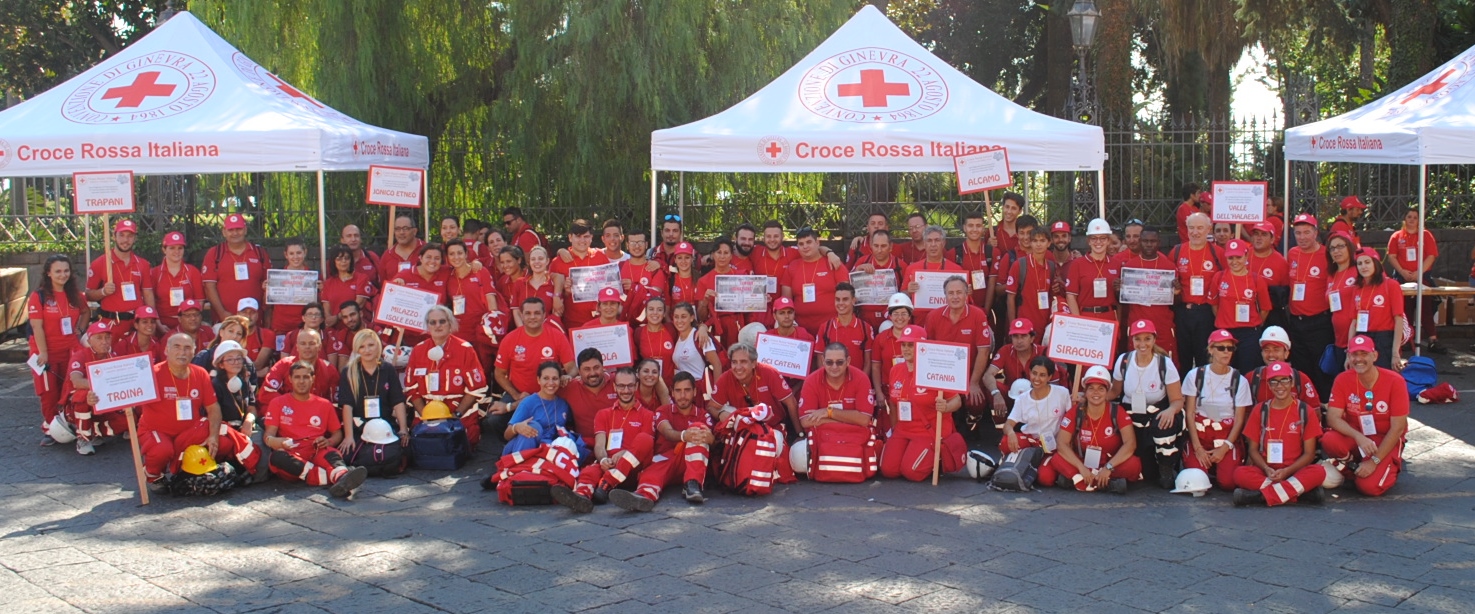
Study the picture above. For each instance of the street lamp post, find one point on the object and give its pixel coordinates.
(1084, 17)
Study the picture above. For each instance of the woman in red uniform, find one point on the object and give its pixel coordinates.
(725, 326)
(1375, 306)
(445, 368)
(651, 391)
(886, 354)
(312, 319)
(1097, 444)
(429, 276)
(915, 416)
(472, 296)
(147, 336)
(175, 281)
(511, 267)
(56, 310)
(1240, 301)
(684, 280)
(656, 340)
(541, 284)
(1340, 252)
(286, 318)
(344, 284)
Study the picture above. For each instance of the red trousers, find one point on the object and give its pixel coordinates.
(1025, 441)
(162, 452)
(1284, 491)
(305, 463)
(909, 455)
(628, 460)
(1056, 465)
(1210, 433)
(687, 462)
(1339, 446)
(89, 425)
(48, 388)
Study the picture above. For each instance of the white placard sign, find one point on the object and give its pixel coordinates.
(741, 293)
(930, 292)
(943, 366)
(1147, 286)
(395, 186)
(790, 357)
(404, 307)
(981, 171)
(873, 288)
(1239, 201)
(102, 192)
(1081, 341)
(585, 282)
(127, 381)
(613, 342)
(285, 287)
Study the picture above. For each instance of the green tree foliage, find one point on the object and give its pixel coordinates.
(45, 42)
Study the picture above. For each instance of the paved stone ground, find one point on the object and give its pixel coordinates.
(73, 538)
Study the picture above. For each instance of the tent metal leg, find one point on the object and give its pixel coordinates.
(322, 227)
(653, 236)
(1101, 193)
(1418, 314)
(1285, 211)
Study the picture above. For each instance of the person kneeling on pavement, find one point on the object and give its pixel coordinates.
(1098, 444)
(918, 414)
(836, 406)
(1275, 430)
(624, 439)
(1367, 419)
(88, 427)
(683, 449)
(302, 430)
(186, 414)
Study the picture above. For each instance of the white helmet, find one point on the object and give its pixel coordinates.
(378, 431)
(1098, 226)
(1275, 334)
(899, 300)
(748, 335)
(980, 465)
(60, 431)
(1192, 481)
(1334, 476)
(799, 456)
(1019, 388)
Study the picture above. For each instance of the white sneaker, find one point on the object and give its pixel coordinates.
(84, 447)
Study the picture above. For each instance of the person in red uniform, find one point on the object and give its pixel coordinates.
(56, 310)
(580, 237)
(404, 252)
(1197, 262)
(860, 246)
(430, 275)
(303, 432)
(974, 255)
(886, 353)
(1352, 209)
(260, 344)
(642, 278)
(1001, 268)
(364, 261)
(1268, 263)
(656, 340)
(1030, 284)
(1060, 252)
(683, 449)
(1097, 443)
(344, 283)
(1376, 307)
(1189, 206)
(624, 443)
(1240, 302)
(588, 393)
(933, 259)
(522, 350)
(961, 322)
(191, 322)
(235, 269)
(748, 383)
(836, 402)
(77, 392)
(130, 284)
(1275, 346)
(1367, 417)
(1090, 280)
(185, 415)
(175, 281)
(811, 280)
(147, 336)
(309, 349)
(725, 325)
(879, 258)
(1012, 361)
(912, 248)
(1006, 235)
(1343, 270)
(283, 319)
(1280, 437)
(1309, 316)
(1148, 257)
(772, 257)
(445, 368)
(785, 324)
(684, 275)
(521, 232)
(918, 413)
(1403, 258)
(846, 328)
(472, 296)
(339, 339)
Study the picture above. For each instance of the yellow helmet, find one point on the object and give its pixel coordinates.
(197, 460)
(436, 410)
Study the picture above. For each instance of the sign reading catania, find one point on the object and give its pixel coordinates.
(872, 85)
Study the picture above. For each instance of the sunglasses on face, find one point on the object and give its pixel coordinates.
(1281, 382)
(1222, 348)
(834, 363)
(437, 322)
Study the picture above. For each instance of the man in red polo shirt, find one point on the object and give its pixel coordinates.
(641, 277)
(1367, 418)
(1060, 251)
(912, 249)
(860, 246)
(837, 403)
(1240, 305)
(364, 261)
(624, 442)
(1189, 206)
(588, 393)
(811, 280)
(1091, 281)
(1198, 261)
(186, 413)
(1030, 285)
(309, 350)
(997, 299)
(175, 281)
(580, 237)
(747, 384)
(131, 285)
(1012, 361)
(1310, 311)
(303, 431)
(973, 256)
(934, 260)
(1352, 209)
(881, 259)
(1270, 264)
(846, 328)
(522, 350)
(1007, 236)
(404, 254)
(961, 322)
(1403, 256)
(521, 232)
(683, 448)
(235, 269)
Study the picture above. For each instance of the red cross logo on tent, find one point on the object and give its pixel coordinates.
(145, 85)
(1430, 88)
(773, 150)
(292, 91)
(873, 89)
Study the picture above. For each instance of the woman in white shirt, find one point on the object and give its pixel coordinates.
(1147, 382)
(1036, 415)
(694, 351)
(1218, 397)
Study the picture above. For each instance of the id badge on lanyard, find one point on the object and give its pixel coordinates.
(1362, 320)
(1369, 426)
(66, 325)
(1241, 312)
(1335, 299)
(1274, 452)
(980, 280)
(1043, 299)
(243, 271)
(184, 410)
(1093, 457)
(130, 292)
(432, 382)
(1298, 292)
(616, 438)
(1412, 255)
(458, 305)
(371, 407)
(772, 285)
(1196, 286)
(808, 293)
(1098, 288)
(176, 297)
(904, 411)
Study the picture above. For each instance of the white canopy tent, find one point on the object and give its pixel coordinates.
(1428, 121)
(183, 101)
(870, 99)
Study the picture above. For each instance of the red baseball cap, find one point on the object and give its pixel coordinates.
(146, 312)
(174, 238)
(125, 226)
(1344, 235)
(1278, 369)
(234, 221)
(1206, 197)
(1361, 343)
(685, 248)
(1022, 326)
(1142, 327)
(1265, 227)
(1060, 226)
(1305, 218)
(1236, 247)
(610, 295)
(190, 304)
(912, 334)
(1353, 202)
(99, 327)
(781, 303)
(1222, 335)
(1366, 251)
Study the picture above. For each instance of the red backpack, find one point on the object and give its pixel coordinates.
(845, 453)
(525, 478)
(753, 454)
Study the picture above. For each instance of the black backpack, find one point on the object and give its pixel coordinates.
(1234, 378)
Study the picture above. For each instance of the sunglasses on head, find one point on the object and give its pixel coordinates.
(672, 217)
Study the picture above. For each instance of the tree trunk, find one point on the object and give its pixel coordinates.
(1114, 59)
(1411, 41)
(1059, 58)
